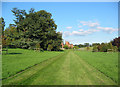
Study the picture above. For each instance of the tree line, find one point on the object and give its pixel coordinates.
(112, 46)
(33, 30)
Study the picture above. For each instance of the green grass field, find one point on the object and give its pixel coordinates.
(18, 60)
(60, 68)
(106, 63)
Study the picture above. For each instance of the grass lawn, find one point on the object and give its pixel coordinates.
(106, 63)
(68, 68)
(20, 59)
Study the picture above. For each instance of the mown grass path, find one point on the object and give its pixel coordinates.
(66, 69)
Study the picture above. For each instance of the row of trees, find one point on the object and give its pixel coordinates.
(83, 45)
(87, 45)
(112, 46)
(32, 30)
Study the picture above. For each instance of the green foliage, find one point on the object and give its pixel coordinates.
(33, 28)
(106, 47)
(50, 47)
(95, 49)
(66, 46)
(110, 46)
(103, 48)
(95, 44)
(86, 44)
(80, 45)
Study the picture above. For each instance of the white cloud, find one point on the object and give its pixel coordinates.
(89, 23)
(93, 27)
(81, 32)
(107, 29)
(96, 26)
(69, 27)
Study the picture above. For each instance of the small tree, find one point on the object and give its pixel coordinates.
(50, 47)
(66, 46)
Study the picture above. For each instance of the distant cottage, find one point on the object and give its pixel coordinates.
(68, 44)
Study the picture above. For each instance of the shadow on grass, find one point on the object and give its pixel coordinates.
(14, 53)
(11, 53)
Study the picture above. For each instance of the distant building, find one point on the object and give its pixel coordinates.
(68, 44)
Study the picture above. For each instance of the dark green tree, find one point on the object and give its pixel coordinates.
(36, 27)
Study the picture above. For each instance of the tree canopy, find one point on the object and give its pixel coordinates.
(34, 28)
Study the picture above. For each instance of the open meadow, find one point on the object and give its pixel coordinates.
(26, 67)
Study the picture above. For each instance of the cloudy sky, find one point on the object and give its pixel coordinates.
(79, 22)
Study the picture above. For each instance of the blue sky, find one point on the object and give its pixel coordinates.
(79, 22)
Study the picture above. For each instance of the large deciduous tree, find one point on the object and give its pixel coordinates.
(36, 28)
